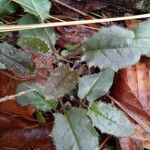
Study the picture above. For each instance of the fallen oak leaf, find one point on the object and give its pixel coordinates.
(138, 111)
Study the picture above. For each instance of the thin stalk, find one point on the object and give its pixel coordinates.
(7, 28)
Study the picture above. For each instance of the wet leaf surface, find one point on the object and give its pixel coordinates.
(16, 60)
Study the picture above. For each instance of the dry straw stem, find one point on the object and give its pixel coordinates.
(6, 28)
(11, 97)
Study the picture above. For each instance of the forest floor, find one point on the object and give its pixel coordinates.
(27, 125)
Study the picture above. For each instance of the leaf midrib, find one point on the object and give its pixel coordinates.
(92, 86)
(99, 113)
(19, 63)
(73, 132)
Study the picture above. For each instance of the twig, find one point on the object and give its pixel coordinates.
(71, 8)
(54, 49)
(6, 28)
(104, 142)
(11, 97)
(74, 9)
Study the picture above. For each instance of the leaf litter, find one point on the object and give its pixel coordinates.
(62, 78)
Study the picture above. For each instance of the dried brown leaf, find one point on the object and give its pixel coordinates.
(35, 137)
(12, 106)
(132, 87)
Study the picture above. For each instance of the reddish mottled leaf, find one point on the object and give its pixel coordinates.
(44, 65)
